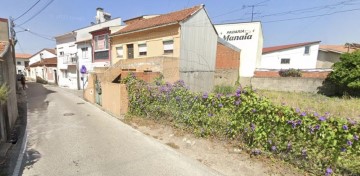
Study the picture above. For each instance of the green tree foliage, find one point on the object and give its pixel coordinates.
(346, 73)
(3, 93)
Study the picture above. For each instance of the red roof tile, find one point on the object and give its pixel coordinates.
(337, 48)
(45, 62)
(283, 47)
(22, 56)
(173, 17)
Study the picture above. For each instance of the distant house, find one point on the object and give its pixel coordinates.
(45, 69)
(180, 45)
(330, 54)
(75, 51)
(297, 56)
(35, 68)
(22, 62)
(8, 108)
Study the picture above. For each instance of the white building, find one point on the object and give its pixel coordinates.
(249, 38)
(74, 50)
(22, 62)
(297, 56)
(37, 57)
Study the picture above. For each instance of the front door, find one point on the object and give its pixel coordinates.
(130, 50)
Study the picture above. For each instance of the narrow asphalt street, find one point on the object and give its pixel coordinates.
(68, 136)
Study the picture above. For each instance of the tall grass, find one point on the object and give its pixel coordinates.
(342, 107)
(3, 92)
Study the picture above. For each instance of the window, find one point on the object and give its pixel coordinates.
(65, 74)
(101, 42)
(61, 53)
(19, 71)
(18, 63)
(168, 46)
(26, 63)
(307, 50)
(84, 52)
(120, 52)
(142, 49)
(285, 61)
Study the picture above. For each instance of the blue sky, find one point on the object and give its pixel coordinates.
(63, 16)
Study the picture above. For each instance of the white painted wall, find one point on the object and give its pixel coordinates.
(21, 67)
(45, 54)
(298, 60)
(249, 38)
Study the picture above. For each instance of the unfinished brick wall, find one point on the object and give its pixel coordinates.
(275, 74)
(227, 65)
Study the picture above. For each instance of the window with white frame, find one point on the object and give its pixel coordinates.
(142, 49)
(168, 46)
(84, 52)
(61, 53)
(120, 52)
(65, 74)
(285, 61)
(307, 50)
(101, 42)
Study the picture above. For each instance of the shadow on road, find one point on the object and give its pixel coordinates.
(37, 94)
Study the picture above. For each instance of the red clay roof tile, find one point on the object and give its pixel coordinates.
(173, 17)
(283, 47)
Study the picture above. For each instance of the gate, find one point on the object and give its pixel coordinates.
(98, 92)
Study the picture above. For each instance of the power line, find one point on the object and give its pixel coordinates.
(36, 14)
(39, 35)
(313, 16)
(27, 10)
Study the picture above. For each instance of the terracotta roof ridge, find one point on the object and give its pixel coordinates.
(288, 46)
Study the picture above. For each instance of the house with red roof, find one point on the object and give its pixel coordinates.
(22, 62)
(43, 65)
(330, 54)
(296, 56)
(181, 45)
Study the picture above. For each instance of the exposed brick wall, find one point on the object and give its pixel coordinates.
(272, 74)
(227, 58)
(227, 65)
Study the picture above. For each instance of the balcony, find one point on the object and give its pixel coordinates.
(70, 59)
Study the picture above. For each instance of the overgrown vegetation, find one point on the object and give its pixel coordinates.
(40, 80)
(346, 74)
(316, 142)
(224, 89)
(340, 107)
(4, 91)
(290, 73)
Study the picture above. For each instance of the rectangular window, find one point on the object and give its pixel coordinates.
(142, 49)
(101, 42)
(168, 46)
(19, 71)
(307, 50)
(61, 53)
(101, 55)
(120, 52)
(285, 61)
(65, 74)
(84, 52)
(18, 63)
(26, 63)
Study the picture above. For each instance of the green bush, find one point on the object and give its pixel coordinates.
(313, 142)
(346, 74)
(290, 73)
(4, 91)
(224, 90)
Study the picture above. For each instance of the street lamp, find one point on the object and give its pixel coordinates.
(25, 30)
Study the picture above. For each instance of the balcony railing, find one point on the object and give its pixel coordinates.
(70, 60)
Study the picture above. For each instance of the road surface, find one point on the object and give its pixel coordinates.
(68, 136)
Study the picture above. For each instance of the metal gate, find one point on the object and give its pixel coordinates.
(98, 92)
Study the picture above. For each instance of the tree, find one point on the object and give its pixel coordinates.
(346, 73)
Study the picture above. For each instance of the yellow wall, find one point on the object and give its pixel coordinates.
(154, 41)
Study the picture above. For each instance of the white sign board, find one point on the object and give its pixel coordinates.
(247, 37)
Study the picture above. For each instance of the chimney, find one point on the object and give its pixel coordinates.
(101, 16)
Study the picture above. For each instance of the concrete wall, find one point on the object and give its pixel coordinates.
(198, 52)
(114, 98)
(168, 66)
(327, 59)
(288, 84)
(227, 65)
(247, 37)
(304, 74)
(298, 60)
(89, 91)
(154, 40)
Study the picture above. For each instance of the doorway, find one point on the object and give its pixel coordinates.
(130, 50)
